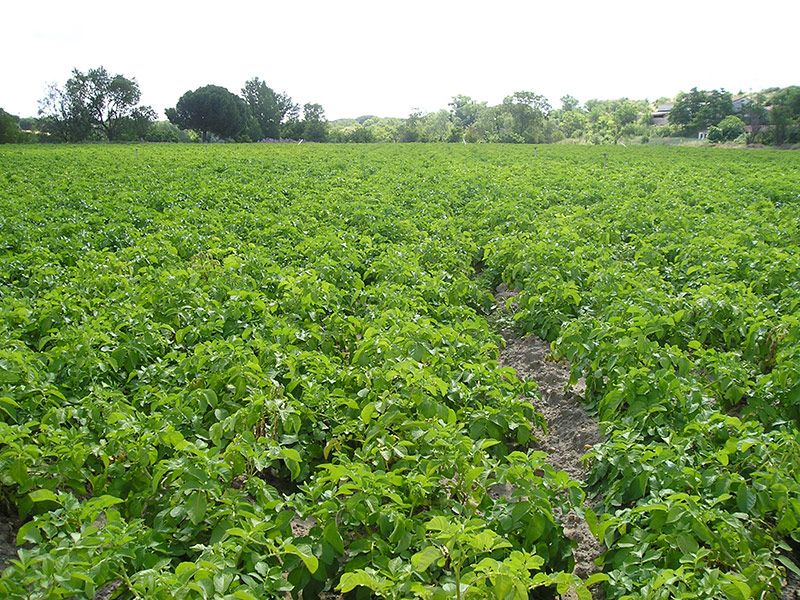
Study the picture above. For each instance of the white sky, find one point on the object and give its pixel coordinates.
(385, 58)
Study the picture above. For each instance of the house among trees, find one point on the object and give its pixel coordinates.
(660, 116)
(740, 103)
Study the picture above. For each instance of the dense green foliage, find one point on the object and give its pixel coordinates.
(210, 109)
(698, 109)
(785, 115)
(674, 291)
(239, 371)
(768, 117)
(727, 130)
(272, 111)
(9, 128)
(95, 105)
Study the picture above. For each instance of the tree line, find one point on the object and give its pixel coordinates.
(768, 117)
(100, 106)
(259, 113)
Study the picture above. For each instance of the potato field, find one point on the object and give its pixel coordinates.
(274, 371)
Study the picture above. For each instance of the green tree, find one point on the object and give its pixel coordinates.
(354, 134)
(269, 108)
(569, 103)
(411, 128)
(602, 128)
(610, 120)
(113, 100)
(528, 112)
(64, 116)
(138, 124)
(315, 127)
(210, 109)
(571, 123)
(785, 115)
(494, 124)
(290, 119)
(755, 115)
(437, 127)
(699, 109)
(464, 111)
(383, 130)
(93, 102)
(30, 124)
(464, 114)
(9, 128)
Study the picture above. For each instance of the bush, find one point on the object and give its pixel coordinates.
(727, 130)
(663, 131)
(164, 131)
(766, 136)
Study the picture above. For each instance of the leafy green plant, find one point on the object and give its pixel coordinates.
(254, 372)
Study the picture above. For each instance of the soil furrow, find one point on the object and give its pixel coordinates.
(571, 430)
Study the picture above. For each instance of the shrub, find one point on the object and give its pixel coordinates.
(727, 130)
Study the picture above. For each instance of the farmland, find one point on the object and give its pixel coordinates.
(273, 371)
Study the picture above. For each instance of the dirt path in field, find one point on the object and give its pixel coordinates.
(791, 586)
(8, 540)
(571, 431)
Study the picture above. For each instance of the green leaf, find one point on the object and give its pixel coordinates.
(350, 581)
(595, 578)
(304, 552)
(174, 439)
(196, 507)
(737, 590)
(43, 496)
(331, 535)
(745, 499)
(19, 473)
(207, 397)
(425, 558)
(787, 562)
(104, 501)
(29, 534)
(367, 412)
(185, 568)
(8, 405)
(81, 576)
(291, 458)
(96, 505)
(687, 544)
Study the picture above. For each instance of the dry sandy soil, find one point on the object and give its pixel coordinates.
(571, 431)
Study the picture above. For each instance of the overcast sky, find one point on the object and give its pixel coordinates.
(387, 58)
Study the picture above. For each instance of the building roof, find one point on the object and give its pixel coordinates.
(741, 101)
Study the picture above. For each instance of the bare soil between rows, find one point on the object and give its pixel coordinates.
(571, 431)
(8, 539)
